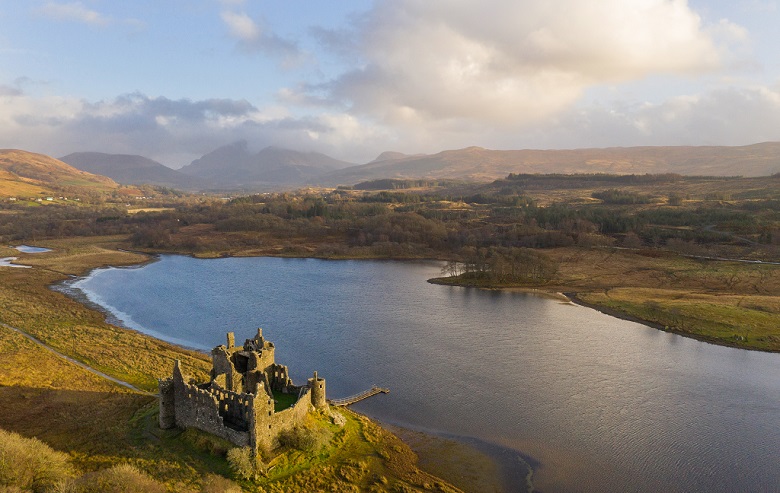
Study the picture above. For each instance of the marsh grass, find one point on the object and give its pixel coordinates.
(110, 432)
(745, 321)
(78, 331)
(729, 303)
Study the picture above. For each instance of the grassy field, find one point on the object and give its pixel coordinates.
(747, 321)
(100, 424)
(729, 303)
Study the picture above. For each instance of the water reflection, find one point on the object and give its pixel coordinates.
(602, 404)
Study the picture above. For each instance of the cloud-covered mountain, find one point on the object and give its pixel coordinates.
(234, 166)
(131, 169)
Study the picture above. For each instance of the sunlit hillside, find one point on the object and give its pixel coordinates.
(29, 175)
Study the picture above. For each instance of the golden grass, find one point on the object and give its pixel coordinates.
(13, 187)
(729, 303)
(49, 370)
(101, 424)
(149, 209)
(45, 170)
(361, 457)
(77, 331)
(593, 269)
(749, 321)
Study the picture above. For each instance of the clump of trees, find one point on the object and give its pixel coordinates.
(621, 197)
(417, 223)
(503, 265)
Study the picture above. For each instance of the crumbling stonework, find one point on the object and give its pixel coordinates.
(237, 403)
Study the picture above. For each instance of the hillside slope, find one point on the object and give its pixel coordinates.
(28, 173)
(478, 164)
(130, 169)
(235, 166)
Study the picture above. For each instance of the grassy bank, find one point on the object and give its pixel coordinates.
(729, 303)
(100, 424)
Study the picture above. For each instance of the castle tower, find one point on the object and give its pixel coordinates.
(317, 389)
(167, 415)
(231, 340)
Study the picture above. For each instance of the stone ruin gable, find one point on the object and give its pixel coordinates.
(243, 368)
(222, 413)
(279, 378)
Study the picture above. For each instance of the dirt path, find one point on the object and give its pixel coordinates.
(75, 362)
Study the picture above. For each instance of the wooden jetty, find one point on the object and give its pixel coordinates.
(358, 397)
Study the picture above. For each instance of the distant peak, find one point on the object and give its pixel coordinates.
(241, 144)
(390, 156)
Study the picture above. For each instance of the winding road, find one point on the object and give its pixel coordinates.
(76, 362)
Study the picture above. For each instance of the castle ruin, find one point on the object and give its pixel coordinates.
(238, 402)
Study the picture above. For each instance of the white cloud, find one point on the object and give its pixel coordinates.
(161, 127)
(241, 26)
(427, 76)
(253, 38)
(722, 116)
(74, 11)
(178, 131)
(503, 61)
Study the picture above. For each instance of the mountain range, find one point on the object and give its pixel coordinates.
(478, 164)
(235, 167)
(132, 169)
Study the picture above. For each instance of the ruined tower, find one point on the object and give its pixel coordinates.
(317, 387)
(237, 403)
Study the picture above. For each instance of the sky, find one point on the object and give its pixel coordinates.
(175, 79)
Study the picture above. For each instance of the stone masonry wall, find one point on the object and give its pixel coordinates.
(269, 425)
(198, 408)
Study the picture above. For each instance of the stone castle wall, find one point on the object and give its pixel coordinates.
(199, 408)
(237, 403)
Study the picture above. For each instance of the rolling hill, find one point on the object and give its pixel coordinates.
(132, 169)
(24, 173)
(478, 164)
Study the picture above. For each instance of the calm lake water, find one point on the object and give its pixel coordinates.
(591, 402)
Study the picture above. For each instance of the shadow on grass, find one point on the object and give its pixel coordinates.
(101, 429)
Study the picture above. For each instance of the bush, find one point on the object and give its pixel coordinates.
(623, 197)
(245, 465)
(217, 484)
(306, 438)
(123, 478)
(27, 464)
